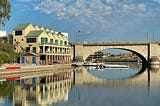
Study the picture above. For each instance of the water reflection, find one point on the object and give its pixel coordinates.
(139, 90)
(41, 94)
(117, 72)
(92, 74)
(82, 88)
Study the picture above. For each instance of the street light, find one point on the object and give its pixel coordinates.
(153, 36)
(77, 37)
(147, 36)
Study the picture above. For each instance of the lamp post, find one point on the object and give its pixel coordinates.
(147, 36)
(77, 36)
(153, 36)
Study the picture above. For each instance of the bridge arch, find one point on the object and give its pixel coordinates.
(144, 60)
(142, 55)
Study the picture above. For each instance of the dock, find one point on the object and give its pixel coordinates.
(115, 66)
(103, 65)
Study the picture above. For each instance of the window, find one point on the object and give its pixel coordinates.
(17, 33)
(65, 42)
(56, 42)
(44, 40)
(27, 49)
(61, 42)
(51, 41)
(22, 39)
(34, 49)
(31, 40)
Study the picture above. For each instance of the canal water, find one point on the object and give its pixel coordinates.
(89, 86)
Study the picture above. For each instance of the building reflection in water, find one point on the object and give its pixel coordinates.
(51, 91)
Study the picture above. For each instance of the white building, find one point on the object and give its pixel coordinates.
(3, 34)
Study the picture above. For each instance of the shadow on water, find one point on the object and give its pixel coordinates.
(143, 69)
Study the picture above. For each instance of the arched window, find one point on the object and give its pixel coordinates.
(51, 41)
(61, 42)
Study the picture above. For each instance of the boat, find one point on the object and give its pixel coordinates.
(115, 66)
(77, 64)
(101, 66)
(92, 64)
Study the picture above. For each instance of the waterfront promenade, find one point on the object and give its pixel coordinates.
(24, 71)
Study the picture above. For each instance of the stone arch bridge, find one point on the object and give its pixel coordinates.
(145, 50)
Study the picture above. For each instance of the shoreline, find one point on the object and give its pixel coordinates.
(28, 66)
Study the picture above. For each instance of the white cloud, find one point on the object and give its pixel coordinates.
(102, 15)
(89, 11)
(111, 1)
(157, 1)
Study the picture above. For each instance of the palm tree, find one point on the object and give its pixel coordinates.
(4, 11)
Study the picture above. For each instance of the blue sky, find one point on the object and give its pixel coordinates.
(97, 20)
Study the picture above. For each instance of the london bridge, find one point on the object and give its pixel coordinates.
(145, 50)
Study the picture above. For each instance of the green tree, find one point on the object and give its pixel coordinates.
(7, 53)
(4, 11)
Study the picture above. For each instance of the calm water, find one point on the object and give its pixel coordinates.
(89, 87)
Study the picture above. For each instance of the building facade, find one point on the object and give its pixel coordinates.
(51, 46)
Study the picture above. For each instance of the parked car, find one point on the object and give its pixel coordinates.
(54, 62)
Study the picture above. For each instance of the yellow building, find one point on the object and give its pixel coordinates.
(48, 44)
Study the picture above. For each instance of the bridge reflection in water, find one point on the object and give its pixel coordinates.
(149, 78)
(138, 90)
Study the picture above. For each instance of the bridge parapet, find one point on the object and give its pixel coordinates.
(111, 43)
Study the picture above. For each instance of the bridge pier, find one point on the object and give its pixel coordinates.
(154, 53)
(78, 52)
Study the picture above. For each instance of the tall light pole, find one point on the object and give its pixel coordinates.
(77, 36)
(153, 36)
(147, 36)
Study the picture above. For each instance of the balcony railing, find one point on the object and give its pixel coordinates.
(51, 52)
(53, 44)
